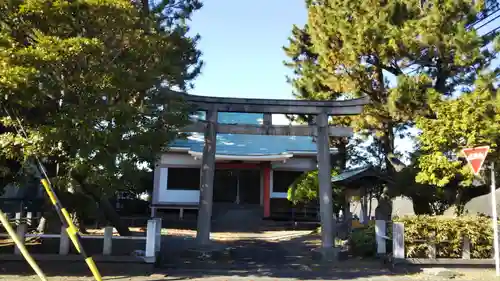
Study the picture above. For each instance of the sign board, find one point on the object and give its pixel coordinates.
(475, 156)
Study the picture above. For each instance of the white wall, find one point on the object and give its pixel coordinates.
(179, 160)
(296, 164)
(165, 196)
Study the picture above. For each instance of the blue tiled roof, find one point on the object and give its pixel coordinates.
(237, 144)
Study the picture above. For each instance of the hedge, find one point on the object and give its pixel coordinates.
(419, 233)
(449, 233)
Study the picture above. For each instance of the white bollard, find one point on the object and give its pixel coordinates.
(149, 256)
(29, 218)
(158, 234)
(21, 232)
(466, 248)
(107, 243)
(398, 240)
(64, 242)
(18, 218)
(380, 235)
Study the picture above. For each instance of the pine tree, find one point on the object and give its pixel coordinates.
(404, 55)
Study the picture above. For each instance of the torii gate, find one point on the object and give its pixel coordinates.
(320, 109)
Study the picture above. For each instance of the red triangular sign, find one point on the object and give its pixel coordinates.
(475, 156)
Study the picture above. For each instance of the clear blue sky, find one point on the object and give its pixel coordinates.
(242, 47)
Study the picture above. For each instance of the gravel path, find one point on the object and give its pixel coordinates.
(484, 276)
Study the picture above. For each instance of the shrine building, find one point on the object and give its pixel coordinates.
(252, 170)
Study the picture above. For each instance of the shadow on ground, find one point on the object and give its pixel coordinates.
(294, 258)
(113, 271)
(291, 259)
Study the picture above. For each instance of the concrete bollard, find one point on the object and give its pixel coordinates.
(158, 234)
(18, 218)
(21, 232)
(380, 234)
(29, 218)
(398, 240)
(64, 242)
(107, 244)
(151, 231)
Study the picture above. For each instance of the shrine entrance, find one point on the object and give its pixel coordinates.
(318, 128)
(237, 186)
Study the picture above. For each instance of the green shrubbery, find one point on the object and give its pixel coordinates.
(419, 230)
(362, 241)
(448, 233)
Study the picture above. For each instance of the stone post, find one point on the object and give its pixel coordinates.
(380, 236)
(64, 242)
(21, 233)
(150, 253)
(398, 240)
(107, 243)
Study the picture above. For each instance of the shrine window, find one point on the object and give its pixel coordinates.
(282, 180)
(183, 178)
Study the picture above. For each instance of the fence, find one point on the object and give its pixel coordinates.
(398, 247)
(152, 238)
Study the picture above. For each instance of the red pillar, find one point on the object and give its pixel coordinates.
(267, 190)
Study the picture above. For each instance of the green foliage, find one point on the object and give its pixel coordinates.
(467, 121)
(362, 241)
(448, 233)
(353, 47)
(90, 81)
(305, 189)
(409, 57)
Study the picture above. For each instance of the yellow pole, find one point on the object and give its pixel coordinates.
(20, 245)
(70, 229)
(61, 212)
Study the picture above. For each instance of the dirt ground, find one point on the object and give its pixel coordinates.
(245, 258)
(119, 272)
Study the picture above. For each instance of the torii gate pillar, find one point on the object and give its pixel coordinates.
(325, 185)
(207, 180)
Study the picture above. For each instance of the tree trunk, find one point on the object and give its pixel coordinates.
(384, 207)
(340, 158)
(421, 205)
(145, 6)
(110, 214)
(459, 203)
(388, 147)
(105, 206)
(370, 197)
(364, 210)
